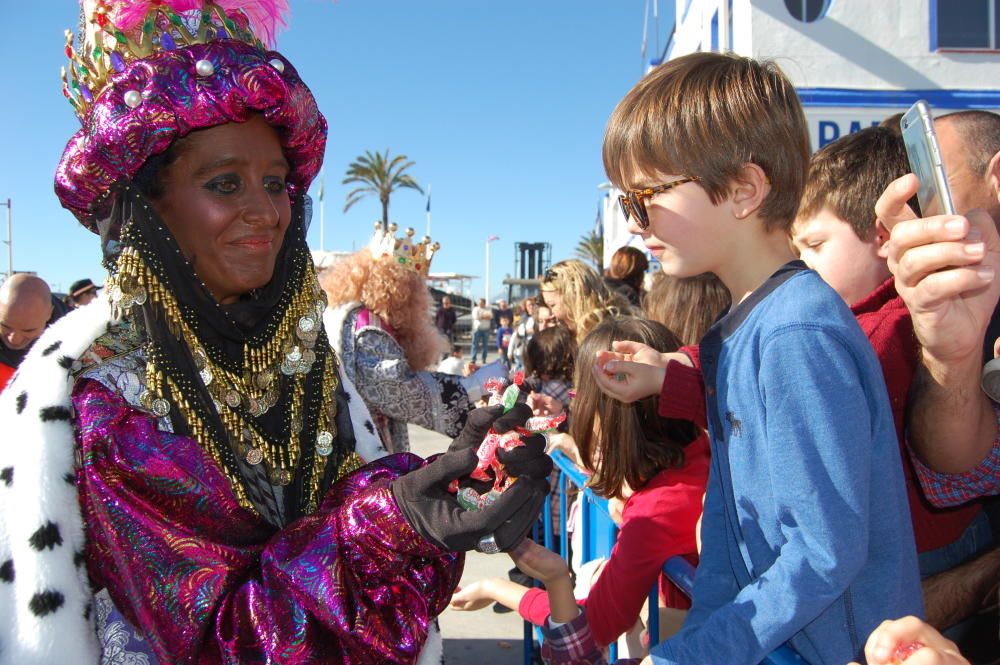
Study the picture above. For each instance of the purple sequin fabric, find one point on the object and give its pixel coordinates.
(205, 581)
(117, 139)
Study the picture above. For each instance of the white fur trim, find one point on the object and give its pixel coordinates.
(41, 454)
(433, 651)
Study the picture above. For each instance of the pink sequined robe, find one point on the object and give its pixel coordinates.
(206, 581)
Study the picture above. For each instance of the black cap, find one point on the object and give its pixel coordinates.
(80, 287)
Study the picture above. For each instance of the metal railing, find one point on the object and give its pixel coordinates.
(598, 534)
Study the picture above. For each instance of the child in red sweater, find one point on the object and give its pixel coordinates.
(640, 458)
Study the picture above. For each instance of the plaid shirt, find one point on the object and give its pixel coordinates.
(952, 489)
(573, 644)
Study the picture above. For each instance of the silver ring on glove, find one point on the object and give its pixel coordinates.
(488, 545)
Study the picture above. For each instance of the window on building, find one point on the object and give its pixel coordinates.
(807, 11)
(967, 24)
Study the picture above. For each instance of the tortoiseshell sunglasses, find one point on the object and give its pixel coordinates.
(633, 202)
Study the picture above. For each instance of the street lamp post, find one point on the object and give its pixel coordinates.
(10, 239)
(489, 239)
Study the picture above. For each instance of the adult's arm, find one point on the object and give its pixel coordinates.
(383, 376)
(954, 594)
(207, 582)
(953, 489)
(945, 269)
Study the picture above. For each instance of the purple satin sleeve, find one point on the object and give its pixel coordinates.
(208, 582)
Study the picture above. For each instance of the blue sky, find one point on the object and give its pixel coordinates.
(502, 106)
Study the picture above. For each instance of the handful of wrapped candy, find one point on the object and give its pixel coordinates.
(507, 395)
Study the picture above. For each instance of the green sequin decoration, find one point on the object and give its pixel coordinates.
(120, 36)
(97, 53)
(147, 26)
(174, 18)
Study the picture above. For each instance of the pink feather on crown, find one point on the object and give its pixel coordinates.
(266, 17)
(128, 14)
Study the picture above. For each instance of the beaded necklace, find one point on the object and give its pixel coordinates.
(274, 407)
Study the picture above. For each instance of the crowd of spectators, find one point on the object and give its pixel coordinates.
(851, 511)
(793, 403)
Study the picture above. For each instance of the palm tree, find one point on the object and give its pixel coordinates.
(591, 248)
(380, 175)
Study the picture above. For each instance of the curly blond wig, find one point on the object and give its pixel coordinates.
(585, 295)
(396, 294)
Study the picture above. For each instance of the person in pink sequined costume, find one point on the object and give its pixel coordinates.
(187, 475)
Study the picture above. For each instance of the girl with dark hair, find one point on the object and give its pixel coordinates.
(657, 467)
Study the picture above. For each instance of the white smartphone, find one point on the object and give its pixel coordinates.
(922, 150)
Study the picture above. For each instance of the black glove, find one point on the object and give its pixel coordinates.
(434, 513)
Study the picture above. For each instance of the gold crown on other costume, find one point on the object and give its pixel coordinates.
(105, 50)
(405, 251)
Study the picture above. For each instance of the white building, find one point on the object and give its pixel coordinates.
(853, 62)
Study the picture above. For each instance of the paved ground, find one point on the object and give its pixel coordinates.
(483, 637)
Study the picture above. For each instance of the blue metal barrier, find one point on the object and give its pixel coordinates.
(598, 534)
(598, 531)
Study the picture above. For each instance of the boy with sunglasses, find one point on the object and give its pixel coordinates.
(806, 535)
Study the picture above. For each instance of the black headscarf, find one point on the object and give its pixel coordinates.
(228, 334)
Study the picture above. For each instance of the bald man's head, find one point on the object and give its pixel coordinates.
(25, 309)
(970, 150)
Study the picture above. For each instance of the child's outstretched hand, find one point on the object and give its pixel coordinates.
(472, 597)
(910, 641)
(539, 562)
(550, 568)
(632, 370)
(544, 405)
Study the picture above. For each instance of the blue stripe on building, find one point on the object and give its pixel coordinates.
(945, 99)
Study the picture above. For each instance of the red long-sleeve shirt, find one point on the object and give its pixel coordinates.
(658, 522)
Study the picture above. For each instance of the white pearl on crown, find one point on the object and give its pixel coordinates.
(204, 68)
(277, 64)
(132, 99)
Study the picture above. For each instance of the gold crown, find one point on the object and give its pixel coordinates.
(105, 49)
(404, 251)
